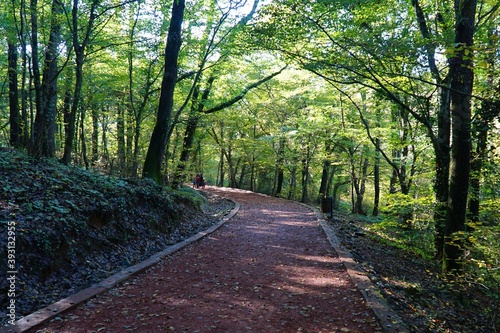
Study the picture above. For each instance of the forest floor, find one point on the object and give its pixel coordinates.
(414, 287)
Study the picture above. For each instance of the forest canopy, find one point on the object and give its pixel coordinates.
(389, 108)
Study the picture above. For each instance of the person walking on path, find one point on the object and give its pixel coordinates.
(268, 269)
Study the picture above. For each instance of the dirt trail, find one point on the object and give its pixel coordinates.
(268, 269)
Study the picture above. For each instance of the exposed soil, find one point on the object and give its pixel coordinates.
(268, 269)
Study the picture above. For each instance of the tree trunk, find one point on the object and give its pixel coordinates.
(442, 153)
(489, 110)
(135, 156)
(25, 127)
(242, 175)
(14, 116)
(233, 169)
(35, 65)
(252, 167)
(293, 183)
(129, 142)
(252, 174)
(49, 84)
(221, 168)
(95, 135)
(104, 136)
(43, 140)
(441, 143)
(357, 182)
(376, 179)
(325, 175)
(462, 77)
(66, 110)
(187, 144)
(156, 149)
(279, 174)
(192, 124)
(120, 136)
(476, 168)
(305, 175)
(79, 49)
(361, 188)
(71, 119)
(83, 139)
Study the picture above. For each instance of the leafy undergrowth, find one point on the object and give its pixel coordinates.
(74, 228)
(414, 287)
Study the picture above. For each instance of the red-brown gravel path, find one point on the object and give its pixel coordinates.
(268, 269)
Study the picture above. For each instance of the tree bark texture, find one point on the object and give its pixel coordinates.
(325, 173)
(120, 136)
(279, 172)
(79, 48)
(14, 115)
(95, 134)
(442, 152)
(305, 174)
(43, 140)
(156, 149)
(187, 144)
(462, 77)
(485, 116)
(376, 179)
(441, 143)
(35, 65)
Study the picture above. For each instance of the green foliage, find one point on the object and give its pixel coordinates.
(418, 241)
(401, 205)
(192, 196)
(407, 223)
(485, 251)
(490, 214)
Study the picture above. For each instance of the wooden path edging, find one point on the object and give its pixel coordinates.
(43, 315)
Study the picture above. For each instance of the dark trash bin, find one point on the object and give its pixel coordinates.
(327, 206)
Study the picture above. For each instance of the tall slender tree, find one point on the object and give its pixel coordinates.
(157, 144)
(43, 139)
(462, 78)
(14, 115)
(79, 45)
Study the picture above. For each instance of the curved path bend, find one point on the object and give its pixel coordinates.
(268, 269)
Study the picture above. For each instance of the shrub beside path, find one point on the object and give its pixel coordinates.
(268, 269)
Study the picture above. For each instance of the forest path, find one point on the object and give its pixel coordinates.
(268, 269)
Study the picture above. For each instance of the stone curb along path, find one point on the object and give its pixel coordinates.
(43, 315)
(389, 320)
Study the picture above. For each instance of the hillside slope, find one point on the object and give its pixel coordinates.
(73, 228)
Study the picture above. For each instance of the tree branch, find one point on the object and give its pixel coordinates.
(243, 93)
